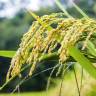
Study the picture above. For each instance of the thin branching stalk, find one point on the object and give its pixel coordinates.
(76, 82)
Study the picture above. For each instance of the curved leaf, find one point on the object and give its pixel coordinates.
(82, 60)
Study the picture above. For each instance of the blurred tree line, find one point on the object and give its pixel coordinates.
(11, 31)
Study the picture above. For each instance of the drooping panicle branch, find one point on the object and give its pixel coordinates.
(39, 41)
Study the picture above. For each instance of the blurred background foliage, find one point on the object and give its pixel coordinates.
(12, 30)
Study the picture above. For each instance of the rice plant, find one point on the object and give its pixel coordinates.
(74, 36)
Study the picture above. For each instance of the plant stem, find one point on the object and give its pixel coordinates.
(62, 8)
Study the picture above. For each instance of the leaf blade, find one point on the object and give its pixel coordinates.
(91, 48)
(5, 53)
(82, 60)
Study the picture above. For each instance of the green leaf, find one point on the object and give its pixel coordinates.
(91, 48)
(9, 54)
(82, 60)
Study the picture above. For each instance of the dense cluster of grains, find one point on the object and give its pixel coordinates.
(39, 41)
